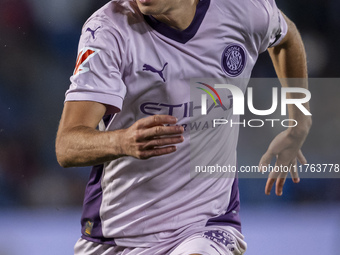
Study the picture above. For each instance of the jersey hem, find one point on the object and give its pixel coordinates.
(101, 241)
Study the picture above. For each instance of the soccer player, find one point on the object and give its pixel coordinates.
(132, 79)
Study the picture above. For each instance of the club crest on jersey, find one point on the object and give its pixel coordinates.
(83, 57)
(233, 60)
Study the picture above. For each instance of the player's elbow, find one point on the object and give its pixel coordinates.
(63, 157)
(62, 161)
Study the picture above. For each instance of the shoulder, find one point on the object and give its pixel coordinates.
(252, 15)
(255, 20)
(112, 22)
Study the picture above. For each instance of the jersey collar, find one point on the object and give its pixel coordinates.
(177, 35)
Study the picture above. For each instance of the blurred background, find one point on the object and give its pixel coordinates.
(40, 202)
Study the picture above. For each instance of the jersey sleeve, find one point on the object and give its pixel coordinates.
(277, 25)
(97, 76)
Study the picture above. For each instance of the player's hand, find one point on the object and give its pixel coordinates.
(149, 137)
(286, 148)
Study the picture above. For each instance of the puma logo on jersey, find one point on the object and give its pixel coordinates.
(92, 31)
(147, 67)
(84, 56)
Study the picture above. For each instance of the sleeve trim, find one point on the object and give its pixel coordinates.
(282, 33)
(114, 103)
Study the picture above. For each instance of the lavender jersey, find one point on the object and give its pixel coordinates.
(140, 67)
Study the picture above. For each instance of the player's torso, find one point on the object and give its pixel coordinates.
(157, 71)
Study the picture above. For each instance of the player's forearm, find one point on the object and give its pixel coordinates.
(84, 146)
(152, 136)
(289, 59)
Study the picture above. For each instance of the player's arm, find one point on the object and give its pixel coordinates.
(79, 143)
(289, 60)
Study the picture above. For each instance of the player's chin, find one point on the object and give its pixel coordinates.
(147, 7)
(146, 10)
(144, 4)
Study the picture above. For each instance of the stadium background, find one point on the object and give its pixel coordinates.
(40, 203)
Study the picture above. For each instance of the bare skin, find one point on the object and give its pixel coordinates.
(175, 13)
(79, 143)
(289, 60)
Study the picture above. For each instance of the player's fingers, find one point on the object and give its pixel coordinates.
(295, 176)
(301, 158)
(156, 152)
(157, 131)
(164, 141)
(269, 185)
(278, 175)
(272, 177)
(156, 120)
(294, 173)
(283, 166)
(280, 182)
(265, 161)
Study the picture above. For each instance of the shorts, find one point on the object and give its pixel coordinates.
(212, 240)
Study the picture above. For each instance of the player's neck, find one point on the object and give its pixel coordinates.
(181, 17)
